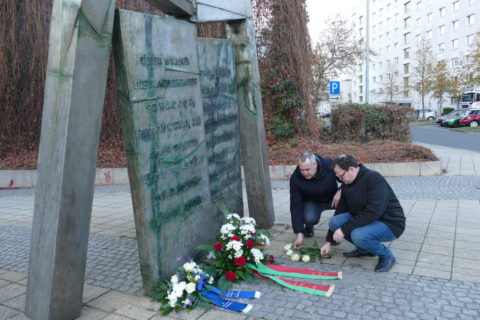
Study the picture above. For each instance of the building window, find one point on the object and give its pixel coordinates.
(441, 29)
(471, 19)
(418, 38)
(455, 6)
(406, 82)
(441, 11)
(395, 73)
(406, 37)
(374, 79)
(406, 68)
(360, 31)
(406, 93)
(406, 22)
(429, 34)
(396, 17)
(396, 60)
(360, 78)
(360, 20)
(429, 17)
(387, 36)
(407, 7)
(455, 24)
(454, 43)
(388, 49)
(396, 45)
(419, 22)
(396, 32)
(381, 51)
(381, 78)
(406, 53)
(470, 39)
(455, 62)
(441, 47)
(419, 5)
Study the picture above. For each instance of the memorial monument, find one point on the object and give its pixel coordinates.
(191, 108)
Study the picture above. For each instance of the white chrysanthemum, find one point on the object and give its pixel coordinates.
(211, 255)
(287, 247)
(235, 245)
(295, 257)
(257, 255)
(187, 302)
(233, 215)
(248, 220)
(238, 253)
(289, 253)
(210, 280)
(172, 298)
(190, 287)
(174, 279)
(247, 228)
(247, 236)
(189, 266)
(265, 239)
(227, 228)
(306, 258)
(197, 277)
(179, 288)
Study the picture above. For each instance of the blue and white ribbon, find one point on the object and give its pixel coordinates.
(214, 295)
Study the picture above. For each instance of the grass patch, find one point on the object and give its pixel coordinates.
(468, 129)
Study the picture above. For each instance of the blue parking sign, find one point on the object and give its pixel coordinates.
(334, 87)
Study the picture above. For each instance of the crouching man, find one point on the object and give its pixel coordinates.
(313, 189)
(368, 213)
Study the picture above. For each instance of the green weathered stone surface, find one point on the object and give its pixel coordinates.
(80, 39)
(220, 109)
(159, 90)
(252, 131)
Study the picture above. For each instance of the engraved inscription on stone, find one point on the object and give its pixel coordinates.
(159, 90)
(217, 78)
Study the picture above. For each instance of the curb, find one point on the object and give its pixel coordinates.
(112, 176)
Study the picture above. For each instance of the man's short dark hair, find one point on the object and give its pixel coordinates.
(345, 161)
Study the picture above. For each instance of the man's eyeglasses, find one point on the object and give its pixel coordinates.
(341, 176)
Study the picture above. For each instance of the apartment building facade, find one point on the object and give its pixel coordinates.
(394, 30)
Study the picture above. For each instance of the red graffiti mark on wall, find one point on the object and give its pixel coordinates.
(10, 184)
(107, 177)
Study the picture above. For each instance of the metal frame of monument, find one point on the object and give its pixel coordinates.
(80, 41)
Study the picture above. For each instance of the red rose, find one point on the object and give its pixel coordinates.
(236, 238)
(271, 259)
(240, 261)
(218, 246)
(250, 243)
(259, 245)
(230, 275)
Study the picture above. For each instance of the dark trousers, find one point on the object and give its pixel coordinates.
(312, 211)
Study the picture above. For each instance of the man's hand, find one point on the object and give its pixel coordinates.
(325, 249)
(338, 235)
(299, 241)
(336, 198)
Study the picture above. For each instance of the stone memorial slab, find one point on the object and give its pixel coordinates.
(220, 109)
(79, 49)
(159, 90)
(221, 10)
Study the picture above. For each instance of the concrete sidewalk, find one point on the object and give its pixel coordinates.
(436, 275)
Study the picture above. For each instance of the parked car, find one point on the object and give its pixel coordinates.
(471, 118)
(440, 120)
(454, 120)
(429, 114)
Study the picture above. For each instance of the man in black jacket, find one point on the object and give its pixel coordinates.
(312, 189)
(368, 213)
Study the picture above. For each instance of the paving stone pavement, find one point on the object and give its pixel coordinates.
(436, 275)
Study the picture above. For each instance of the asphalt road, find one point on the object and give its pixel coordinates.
(446, 137)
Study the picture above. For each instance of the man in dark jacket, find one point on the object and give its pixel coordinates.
(368, 213)
(312, 189)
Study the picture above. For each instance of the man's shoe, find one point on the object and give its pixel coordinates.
(308, 231)
(357, 253)
(385, 264)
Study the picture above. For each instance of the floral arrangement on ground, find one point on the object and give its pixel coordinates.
(237, 245)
